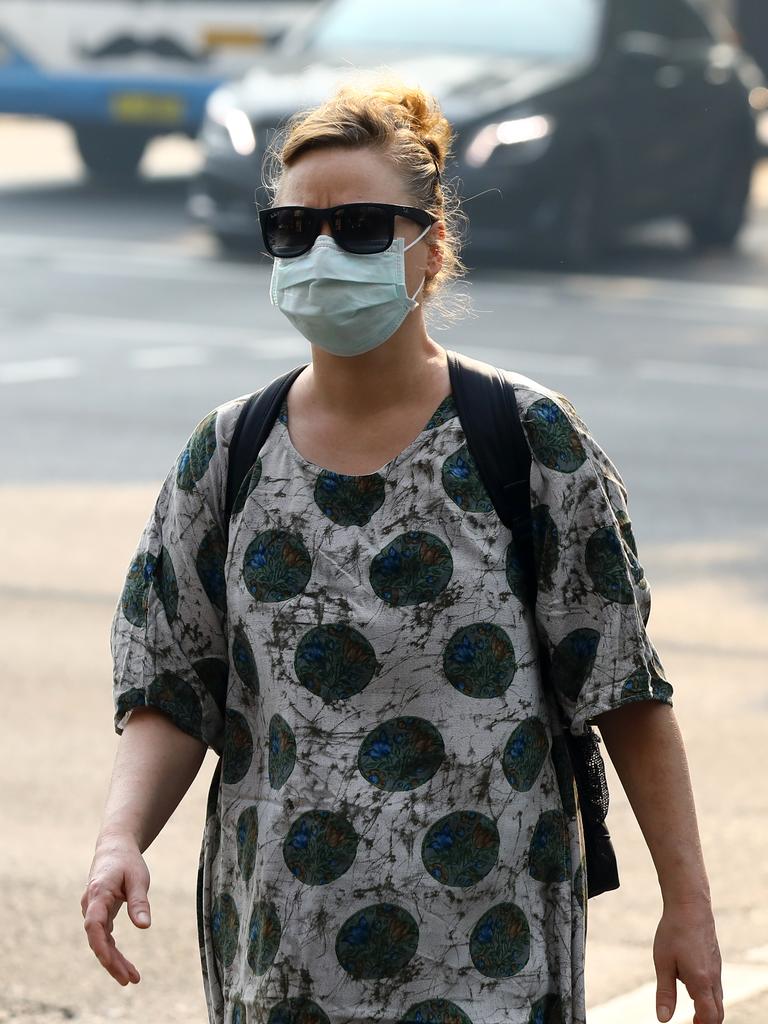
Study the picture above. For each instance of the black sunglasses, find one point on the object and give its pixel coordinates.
(362, 228)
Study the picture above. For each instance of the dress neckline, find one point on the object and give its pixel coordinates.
(444, 411)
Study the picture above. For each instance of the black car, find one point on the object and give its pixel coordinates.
(573, 118)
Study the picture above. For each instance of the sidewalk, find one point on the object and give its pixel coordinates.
(59, 583)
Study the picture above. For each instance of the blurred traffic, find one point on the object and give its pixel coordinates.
(574, 119)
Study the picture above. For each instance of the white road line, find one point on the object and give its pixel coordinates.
(168, 356)
(536, 362)
(260, 343)
(740, 982)
(38, 369)
(703, 373)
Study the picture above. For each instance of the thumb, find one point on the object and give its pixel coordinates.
(138, 905)
(666, 995)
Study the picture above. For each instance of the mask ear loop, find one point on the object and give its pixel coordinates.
(424, 279)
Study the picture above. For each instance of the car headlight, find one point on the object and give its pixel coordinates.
(226, 124)
(517, 132)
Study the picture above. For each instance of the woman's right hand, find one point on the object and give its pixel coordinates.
(118, 874)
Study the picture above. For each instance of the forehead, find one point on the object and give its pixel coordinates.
(329, 177)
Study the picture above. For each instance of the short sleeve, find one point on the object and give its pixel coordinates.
(593, 599)
(168, 634)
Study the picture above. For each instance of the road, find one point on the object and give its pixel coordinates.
(121, 326)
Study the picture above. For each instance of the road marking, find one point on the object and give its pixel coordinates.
(537, 362)
(168, 356)
(749, 378)
(740, 982)
(38, 369)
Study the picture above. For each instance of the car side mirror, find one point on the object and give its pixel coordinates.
(643, 46)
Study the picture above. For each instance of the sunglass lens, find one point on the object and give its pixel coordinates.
(365, 229)
(288, 231)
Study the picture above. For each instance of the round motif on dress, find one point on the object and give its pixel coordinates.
(166, 587)
(661, 688)
(435, 1011)
(247, 837)
(479, 660)
(401, 754)
(128, 700)
(349, 500)
(177, 698)
(444, 412)
(135, 596)
(243, 659)
(197, 453)
(513, 568)
(250, 481)
(524, 754)
(320, 847)
(500, 942)
(214, 673)
(334, 661)
(549, 855)
(211, 557)
(572, 661)
(238, 746)
(564, 774)
(377, 941)
(264, 932)
(636, 687)
(415, 567)
(276, 565)
(607, 566)
(462, 483)
(553, 439)
(461, 848)
(546, 545)
(282, 751)
(547, 1010)
(238, 1012)
(297, 1010)
(225, 925)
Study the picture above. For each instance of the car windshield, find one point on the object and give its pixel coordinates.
(529, 28)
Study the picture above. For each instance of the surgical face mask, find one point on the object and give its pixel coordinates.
(344, 302)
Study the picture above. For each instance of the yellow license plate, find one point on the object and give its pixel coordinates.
(233, 38)
(143, 107)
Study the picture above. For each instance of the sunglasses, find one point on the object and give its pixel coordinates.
(362, 228)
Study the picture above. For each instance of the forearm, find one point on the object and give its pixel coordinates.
(645, 746)
(154, 767)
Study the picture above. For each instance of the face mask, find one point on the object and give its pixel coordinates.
(342, 301)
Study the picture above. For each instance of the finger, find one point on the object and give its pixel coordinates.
(704, 1004)
(666, 994)
(103, 945)
(138, 904)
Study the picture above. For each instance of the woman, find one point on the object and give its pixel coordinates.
(386, 837)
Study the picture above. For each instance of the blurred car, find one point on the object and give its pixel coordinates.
(573, 118)
(124, 71)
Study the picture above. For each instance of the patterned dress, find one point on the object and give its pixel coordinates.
(392, 832)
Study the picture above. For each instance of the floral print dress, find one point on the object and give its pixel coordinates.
(392, 832)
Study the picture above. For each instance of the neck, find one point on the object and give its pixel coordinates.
(398, 372)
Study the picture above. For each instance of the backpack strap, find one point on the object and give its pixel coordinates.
(251, 431)
(488, 411)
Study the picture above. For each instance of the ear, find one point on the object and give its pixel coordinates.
(435, 258)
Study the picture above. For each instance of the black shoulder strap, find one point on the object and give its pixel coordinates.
(489, 414)
(251, 431)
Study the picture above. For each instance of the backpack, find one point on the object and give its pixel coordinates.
(490, 418)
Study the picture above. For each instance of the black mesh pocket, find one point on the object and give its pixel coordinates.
(589, 771)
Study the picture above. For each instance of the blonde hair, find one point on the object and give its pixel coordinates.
(407, 125)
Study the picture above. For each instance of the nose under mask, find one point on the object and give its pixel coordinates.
(343, 302)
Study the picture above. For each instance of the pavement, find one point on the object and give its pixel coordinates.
(69, 521)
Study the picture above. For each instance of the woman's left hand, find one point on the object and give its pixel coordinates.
(686, 947)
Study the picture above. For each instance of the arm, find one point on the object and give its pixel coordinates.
(155, 764)
(645, 745)
(154, 767)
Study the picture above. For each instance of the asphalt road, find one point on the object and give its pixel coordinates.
(121, 326)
